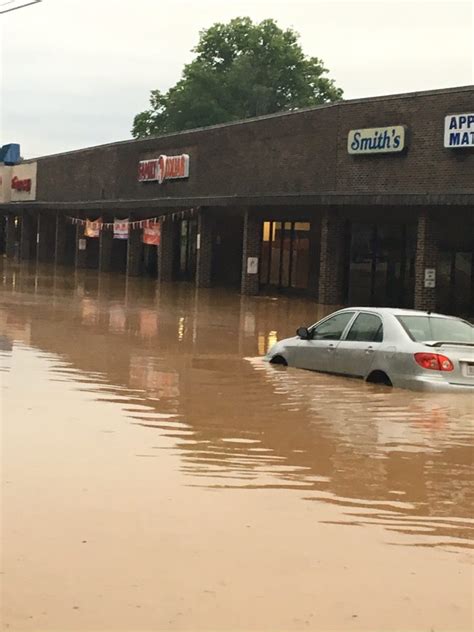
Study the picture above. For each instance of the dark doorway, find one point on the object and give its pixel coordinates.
(150, 260)
(382, 264)
(70, 244)
(455, 282)
(227, 251)
(92, 253)
(119, 255)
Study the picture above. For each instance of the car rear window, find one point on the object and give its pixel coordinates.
(436, 329)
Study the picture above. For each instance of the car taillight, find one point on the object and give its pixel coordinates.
(434, 361)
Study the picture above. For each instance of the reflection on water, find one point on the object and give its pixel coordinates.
(183, 366)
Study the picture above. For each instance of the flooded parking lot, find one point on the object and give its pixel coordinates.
(157, 475)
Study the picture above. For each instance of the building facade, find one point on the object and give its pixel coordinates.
(367, 202)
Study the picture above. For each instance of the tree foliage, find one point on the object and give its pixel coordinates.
(241, 70)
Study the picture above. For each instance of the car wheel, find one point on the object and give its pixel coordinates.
(379, 377)
(278, 359)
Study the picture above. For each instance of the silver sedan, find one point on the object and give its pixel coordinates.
(396, 347)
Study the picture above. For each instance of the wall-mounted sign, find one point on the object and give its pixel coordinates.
(377, 140)
(163, 168)
(21, 185)
(23, 182)
(430, 277)
(252, 265)
(459, 130)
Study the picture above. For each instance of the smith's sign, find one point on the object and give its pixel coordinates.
(377, 140)
(163, 168)
(459, 130)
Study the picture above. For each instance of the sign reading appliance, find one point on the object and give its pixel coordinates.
(164, 168)
(377, 140)
(459, 130)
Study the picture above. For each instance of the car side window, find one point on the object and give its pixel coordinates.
(332, 328)
(366, 328)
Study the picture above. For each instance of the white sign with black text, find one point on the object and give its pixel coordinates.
(459, 130)
(430, 277)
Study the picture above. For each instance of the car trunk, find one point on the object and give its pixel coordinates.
(462, 357)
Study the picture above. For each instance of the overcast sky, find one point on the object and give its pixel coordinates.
(75, 72)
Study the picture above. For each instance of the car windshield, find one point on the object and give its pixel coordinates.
(435, 329)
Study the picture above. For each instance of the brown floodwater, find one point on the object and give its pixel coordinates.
(157, 475)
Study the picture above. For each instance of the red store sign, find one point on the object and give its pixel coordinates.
(163, 168)
(21, 185)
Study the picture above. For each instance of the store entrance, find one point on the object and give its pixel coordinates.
(188, 249)
(382, 264)
(285, 259)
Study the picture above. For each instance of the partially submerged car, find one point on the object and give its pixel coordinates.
(396, 347)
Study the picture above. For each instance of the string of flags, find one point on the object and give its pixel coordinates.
(98, 224)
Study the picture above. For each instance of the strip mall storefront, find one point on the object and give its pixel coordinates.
(367, 202)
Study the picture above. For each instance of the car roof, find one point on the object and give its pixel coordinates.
(395, 311)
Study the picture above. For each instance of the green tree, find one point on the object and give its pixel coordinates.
(241, 70)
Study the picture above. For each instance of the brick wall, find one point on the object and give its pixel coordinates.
(426, 257)
(251, 248)
(331, 271)
(295, 153)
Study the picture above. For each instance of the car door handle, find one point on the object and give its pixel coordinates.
(369, 350)
(331, 347)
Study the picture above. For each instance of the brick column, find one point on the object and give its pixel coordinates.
(11, 238)
(134, 252)
(426, 256)
(331, 265)
(46, 238)
(204, 250)
(105, 250)
(60, 240)
(27, 236)
(166, 250)
(251, 247)
(81, 247)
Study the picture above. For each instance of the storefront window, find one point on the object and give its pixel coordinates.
(300, 255)
(285, 255)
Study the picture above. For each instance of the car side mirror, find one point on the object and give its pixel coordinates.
(303, 333)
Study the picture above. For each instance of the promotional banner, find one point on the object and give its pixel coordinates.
(93, 228)
(121, 228)
(151, 235)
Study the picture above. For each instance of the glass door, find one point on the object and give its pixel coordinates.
(382, 262)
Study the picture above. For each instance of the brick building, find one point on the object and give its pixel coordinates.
(369, 201)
